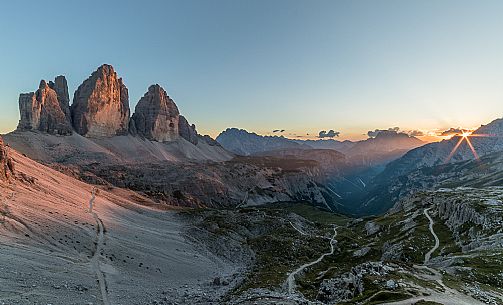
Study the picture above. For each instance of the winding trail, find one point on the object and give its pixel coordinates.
(290, 281)
(298, 230)
(95, 260)
(427, 256)
(448, 296)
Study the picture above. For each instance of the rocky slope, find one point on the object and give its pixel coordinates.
(383, 148)
(101, 105)
(391, 259)
(329, 160)
(486, 139)
(47, 109)
(79, 150)
(54, 250)
(239, 182)
(432, 166)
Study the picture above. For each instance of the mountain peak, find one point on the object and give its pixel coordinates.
(101, 105)
(156, 116)
(44, 110)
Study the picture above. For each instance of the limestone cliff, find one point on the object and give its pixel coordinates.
(156, 116)
(60, 86)
(101, 105)
(187, 131)
(44, 110)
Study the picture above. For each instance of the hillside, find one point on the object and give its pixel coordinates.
(436, 164)
(128, 248)
(76, 149)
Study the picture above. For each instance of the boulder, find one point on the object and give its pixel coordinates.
(157, 118)
(101, 105)
(372, 228)
(44, 111)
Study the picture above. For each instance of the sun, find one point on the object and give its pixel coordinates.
(466, 134)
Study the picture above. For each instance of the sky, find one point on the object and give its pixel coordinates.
(301, 66)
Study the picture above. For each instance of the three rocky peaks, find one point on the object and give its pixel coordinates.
(100, 108)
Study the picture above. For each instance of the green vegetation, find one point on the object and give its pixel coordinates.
(486, 268)
(387, 296)
(447, 243)
(314, 214)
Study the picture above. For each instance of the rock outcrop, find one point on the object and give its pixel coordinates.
(187, 131)
(348, 285)
(156, 116)
(101, 105)
(46, 109)
(6, 165)
(60, 86)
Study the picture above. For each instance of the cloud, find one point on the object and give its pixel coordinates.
(389, 131)
(328, 134)
(278, 130)
(450, 132)
(416, 133)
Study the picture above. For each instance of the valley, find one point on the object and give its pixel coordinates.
(142, 209)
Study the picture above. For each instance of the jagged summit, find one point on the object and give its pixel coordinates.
(46, 110)
(101, 105)
(247, 143)
(61, 87)
(100, 109)
(104, 131)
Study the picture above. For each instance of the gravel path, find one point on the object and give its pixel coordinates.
(427, 256)
(290, 281)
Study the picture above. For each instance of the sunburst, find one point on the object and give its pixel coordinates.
(465, 136)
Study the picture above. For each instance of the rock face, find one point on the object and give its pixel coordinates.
(156, 116)
(101, 105)
(348, 285)
(187, 131)
(61, 87)
(6, 165)
(46, 109)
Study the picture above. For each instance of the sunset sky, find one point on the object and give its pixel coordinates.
(301, 66)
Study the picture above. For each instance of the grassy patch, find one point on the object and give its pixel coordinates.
(314, 214)
(447, 243)
(387, 296)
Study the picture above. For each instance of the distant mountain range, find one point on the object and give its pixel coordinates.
(242, 142)
(439, 164)
(374, 151)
